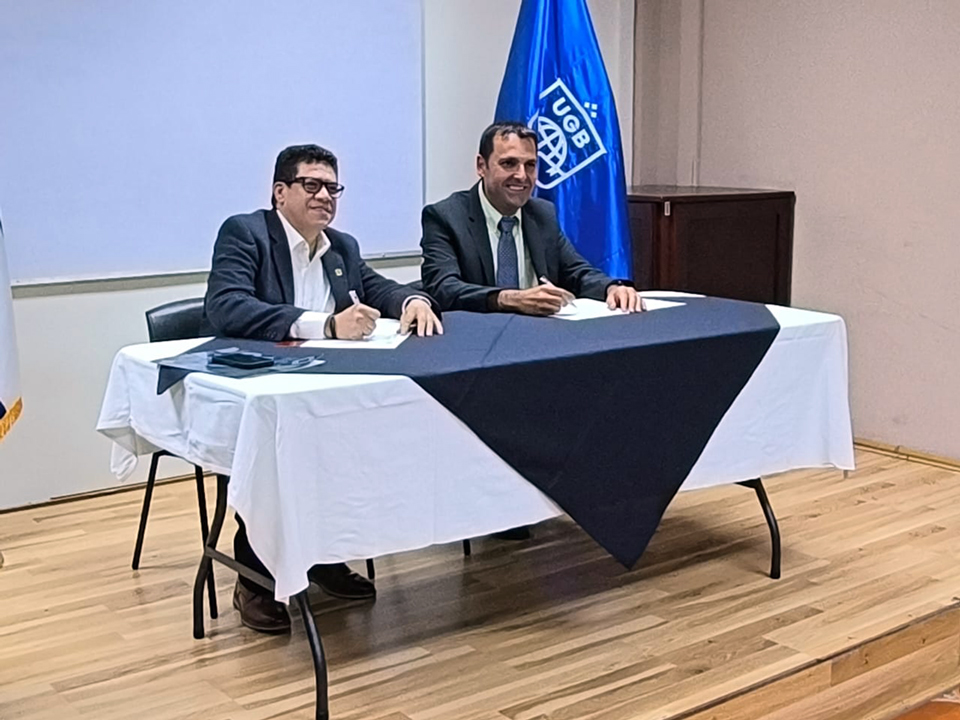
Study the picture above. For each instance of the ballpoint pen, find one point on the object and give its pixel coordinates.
(544, 281)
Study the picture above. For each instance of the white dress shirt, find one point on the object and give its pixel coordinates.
(527, 275)
(311, 290)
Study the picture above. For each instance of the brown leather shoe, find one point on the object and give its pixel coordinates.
(260, 612)
(341, 582)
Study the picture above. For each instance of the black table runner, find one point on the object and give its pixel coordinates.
(607, 417)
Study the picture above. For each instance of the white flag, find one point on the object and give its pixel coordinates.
(10, 402)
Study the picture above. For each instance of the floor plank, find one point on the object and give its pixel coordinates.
(550, 629)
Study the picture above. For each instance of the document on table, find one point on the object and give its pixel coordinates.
(385, 336)
(587, 309)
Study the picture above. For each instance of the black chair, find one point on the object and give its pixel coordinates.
(179, 320)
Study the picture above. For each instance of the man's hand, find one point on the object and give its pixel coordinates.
(418, 312)
(356, 322)
(624, 298)
(545, 299)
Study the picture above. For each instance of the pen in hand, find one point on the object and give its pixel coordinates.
(544, 281)
(370, 314)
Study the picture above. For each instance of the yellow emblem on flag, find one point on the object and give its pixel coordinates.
(7, 421)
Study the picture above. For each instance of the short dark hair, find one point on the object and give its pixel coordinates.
(290, 158)
(503, 129)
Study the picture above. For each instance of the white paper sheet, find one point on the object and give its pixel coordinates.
(654, 304)
(386, 336)
(587, 309)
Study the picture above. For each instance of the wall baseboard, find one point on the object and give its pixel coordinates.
(102, 492)
(905, 453)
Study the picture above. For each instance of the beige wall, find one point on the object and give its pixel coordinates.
(855, 104)
(666, 91)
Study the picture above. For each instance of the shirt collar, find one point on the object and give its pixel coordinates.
(490, 212)
(294, 238)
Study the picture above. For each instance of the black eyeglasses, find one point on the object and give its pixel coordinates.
(313, 186)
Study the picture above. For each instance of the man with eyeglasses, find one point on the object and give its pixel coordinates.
(285, 273)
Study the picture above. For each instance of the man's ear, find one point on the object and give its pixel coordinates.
(481, 165)
(278, 191)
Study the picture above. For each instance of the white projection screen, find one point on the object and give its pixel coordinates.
(130, 130)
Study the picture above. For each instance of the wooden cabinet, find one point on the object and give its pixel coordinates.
(726, 242)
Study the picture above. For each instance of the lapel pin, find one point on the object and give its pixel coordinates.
(338, 272)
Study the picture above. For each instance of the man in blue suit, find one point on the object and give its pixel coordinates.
(494, 248)
(285, 273)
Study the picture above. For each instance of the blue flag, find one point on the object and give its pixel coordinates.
(556, 82)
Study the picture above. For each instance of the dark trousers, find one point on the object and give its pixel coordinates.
(243, 553)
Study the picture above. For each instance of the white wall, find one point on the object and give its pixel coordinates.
(69, 335)
(66, 344)
(856, 106)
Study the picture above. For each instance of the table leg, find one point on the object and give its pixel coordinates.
(210, 553)
(145, 510)
(757, 485)
(316, 649)
(204, 533)
(209, 548)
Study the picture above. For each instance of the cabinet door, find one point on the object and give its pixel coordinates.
(643, 216)
(737, 249)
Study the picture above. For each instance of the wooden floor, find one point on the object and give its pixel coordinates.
(864, 624)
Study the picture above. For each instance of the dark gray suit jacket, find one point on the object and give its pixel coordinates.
(457, 265)
(250, 289)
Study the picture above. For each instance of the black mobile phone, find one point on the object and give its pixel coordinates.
(240, 359)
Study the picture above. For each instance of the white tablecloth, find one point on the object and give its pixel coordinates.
(327, 468)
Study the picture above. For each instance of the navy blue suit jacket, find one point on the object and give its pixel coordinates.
(250, 290)
(457, 265)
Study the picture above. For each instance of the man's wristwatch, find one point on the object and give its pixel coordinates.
(330, 329)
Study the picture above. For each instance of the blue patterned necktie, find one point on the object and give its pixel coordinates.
(508, 269)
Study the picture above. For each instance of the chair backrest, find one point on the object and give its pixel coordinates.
(178, 320)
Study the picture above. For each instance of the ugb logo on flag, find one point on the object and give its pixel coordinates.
(555, 81)
(567, 139)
